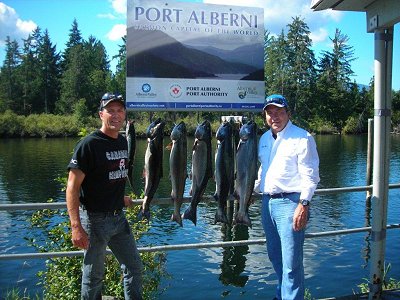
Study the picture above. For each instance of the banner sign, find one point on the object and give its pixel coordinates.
(185, 56)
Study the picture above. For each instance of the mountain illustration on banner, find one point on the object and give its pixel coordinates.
(158, 55)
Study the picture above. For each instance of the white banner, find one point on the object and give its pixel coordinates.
(194, 56)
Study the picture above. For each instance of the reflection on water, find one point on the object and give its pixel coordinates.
(28, 168)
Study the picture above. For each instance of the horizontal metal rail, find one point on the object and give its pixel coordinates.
(62, 205)
(46, 255)
(59, 205)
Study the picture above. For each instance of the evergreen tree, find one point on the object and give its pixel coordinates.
(11, 93)
(335, 103)
(75, 39)
(301, 70)
(74, 76)
(30, 79)
(49, 66)
(118, 81)
(73, 81)
(276, 68)
(98, 70)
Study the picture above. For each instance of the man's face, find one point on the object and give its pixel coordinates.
(276, 117)
(113, 116)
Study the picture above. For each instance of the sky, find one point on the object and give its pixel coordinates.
(106, 20)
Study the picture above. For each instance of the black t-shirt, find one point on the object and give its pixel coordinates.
(104, 161)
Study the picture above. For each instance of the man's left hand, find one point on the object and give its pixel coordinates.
(300, 217)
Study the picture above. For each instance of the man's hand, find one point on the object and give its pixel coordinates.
(300, 217)
(80, 238)
(128, 201)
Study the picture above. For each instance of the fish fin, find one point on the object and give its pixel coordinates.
(190, 214)
(220, 216)
(169, 146)
(177, 218)
(144, 215)
(215, 196)
(242, 218)
(144, 173)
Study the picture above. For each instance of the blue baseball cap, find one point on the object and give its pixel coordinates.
(275, 99)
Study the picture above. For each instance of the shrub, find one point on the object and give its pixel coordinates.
(62, 277)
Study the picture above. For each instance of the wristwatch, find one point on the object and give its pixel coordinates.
(304, 202)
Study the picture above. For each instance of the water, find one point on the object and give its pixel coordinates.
(334, 266)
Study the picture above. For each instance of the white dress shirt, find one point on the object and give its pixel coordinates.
(289, 163)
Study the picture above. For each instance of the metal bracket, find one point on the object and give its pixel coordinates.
(383, 112)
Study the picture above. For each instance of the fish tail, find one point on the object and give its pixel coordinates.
(144, 214)
(242, 218)
(190, 214)
(220, 216)
(177, 218)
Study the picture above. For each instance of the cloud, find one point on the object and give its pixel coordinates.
(278, 14)
(119, 6)
(107, 16)
(11, 25)
(319, 35)
(117, 32)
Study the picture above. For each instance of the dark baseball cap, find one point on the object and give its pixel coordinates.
(110, 97)
(275, 99)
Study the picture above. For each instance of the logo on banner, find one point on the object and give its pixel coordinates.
(175, 91)
(146, 88)
(247, 92)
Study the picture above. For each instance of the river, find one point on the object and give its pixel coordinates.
(334, 266)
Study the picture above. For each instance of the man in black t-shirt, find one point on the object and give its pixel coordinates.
(95, 199)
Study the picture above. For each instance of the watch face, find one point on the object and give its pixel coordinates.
(305, 202)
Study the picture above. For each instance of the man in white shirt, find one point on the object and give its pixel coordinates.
(287, 178)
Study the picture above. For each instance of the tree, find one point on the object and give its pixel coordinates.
(75, 39)
(301, 70)
(49, 68)
(98, 70)
(276, 65)
(73, 81)
(335, 103)
(9, 88)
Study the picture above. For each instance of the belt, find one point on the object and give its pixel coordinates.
(279, 195)
(112, 213)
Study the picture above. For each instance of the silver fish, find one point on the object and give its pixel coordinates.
(178, 168)
(131, 139)
(224, 169)
(246, 168)
(153, 164)
(201, 168)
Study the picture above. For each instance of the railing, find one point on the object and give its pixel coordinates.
(62, 205)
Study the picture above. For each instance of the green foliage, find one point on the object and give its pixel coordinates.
(354, 125)
(37, 79)
(387, 284)
(10, 124)
(321, 126)
(62, 277)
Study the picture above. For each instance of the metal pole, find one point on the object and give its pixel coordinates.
(369, 155)
(382, 104)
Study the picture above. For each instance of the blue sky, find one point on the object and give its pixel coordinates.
(106, 20)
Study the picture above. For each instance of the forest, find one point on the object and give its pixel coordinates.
(46, 92)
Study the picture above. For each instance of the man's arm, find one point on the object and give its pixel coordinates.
(80, 238)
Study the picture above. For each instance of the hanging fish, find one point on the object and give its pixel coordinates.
(201, 168)
(178, 168)
(153, 164)
(131, 139)
(224, 170)
(246, 168)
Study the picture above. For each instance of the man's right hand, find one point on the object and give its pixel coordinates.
(80, 238)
